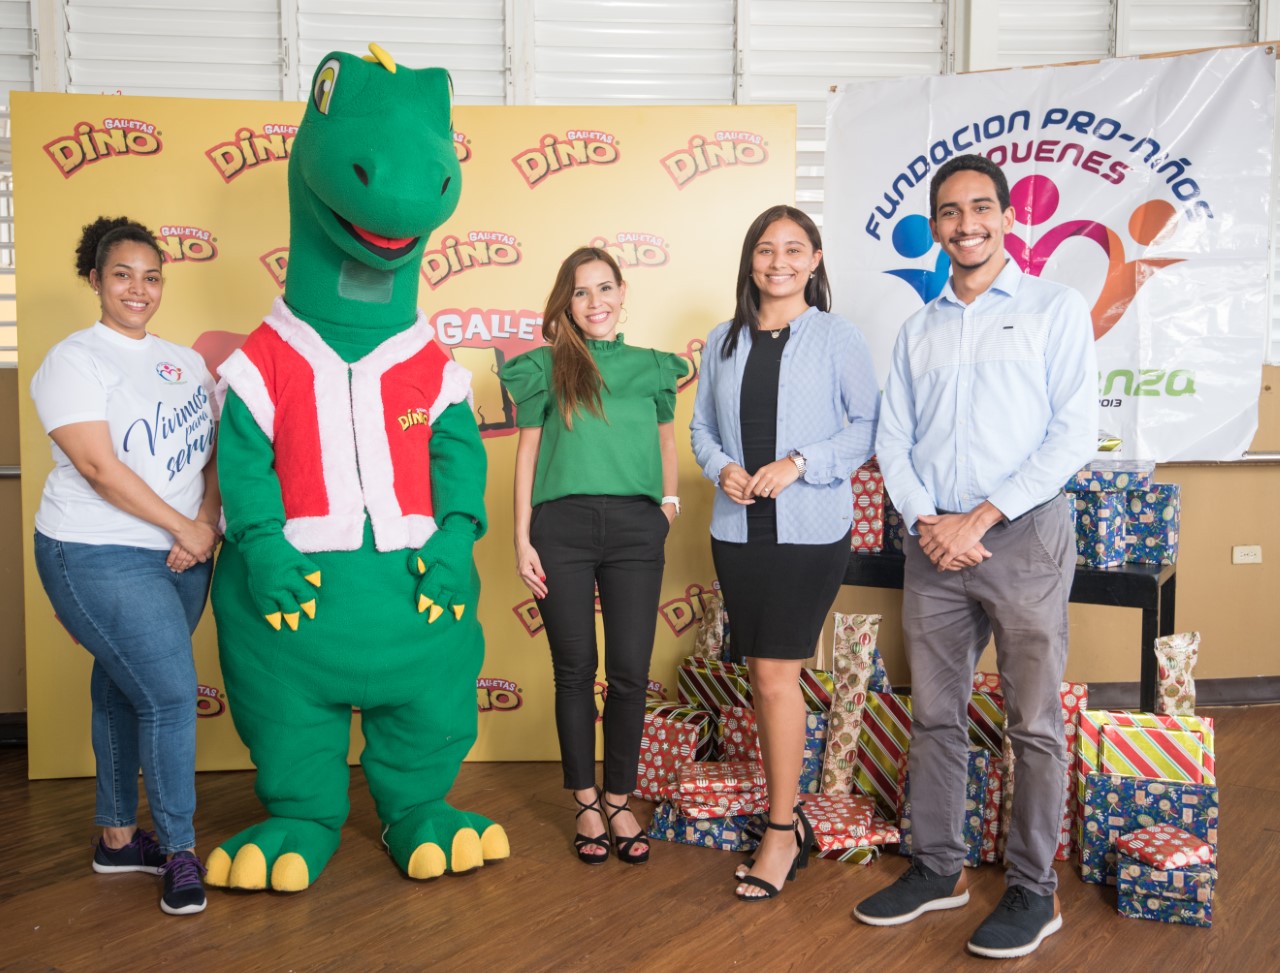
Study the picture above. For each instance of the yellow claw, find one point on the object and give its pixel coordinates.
(313, 577)
(494, 844)
(273, 620)
(289, 873)
(218, 869)
(291, 619)
(249, 870)
(427, 861)
(466, 854)
(422, 568)
(308, 608)
(424, 603)
(458, 610)
(436, 612)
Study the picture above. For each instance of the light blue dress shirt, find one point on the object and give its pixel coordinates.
(827, 403)
(995, 400)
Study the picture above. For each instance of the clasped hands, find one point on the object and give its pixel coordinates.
(768, 481)
(194, 545)
(954, 541)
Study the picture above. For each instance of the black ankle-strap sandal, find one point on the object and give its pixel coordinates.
(581, 841)
(622, 845)
(770, 891)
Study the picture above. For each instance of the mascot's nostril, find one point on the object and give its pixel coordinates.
(446, 185)
(361, 175)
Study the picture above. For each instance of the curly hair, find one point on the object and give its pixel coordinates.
(99, 237)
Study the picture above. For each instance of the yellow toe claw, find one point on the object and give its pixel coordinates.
(313, 577)
(308, 608)
(436, 612)
(291, 619)
(422, 568)
(427, 861)
(423, 603)
(249, 870)
(273, 620)
(466, 853)
(289, 873)
(494, 844)
(458, 610)
(218, 869)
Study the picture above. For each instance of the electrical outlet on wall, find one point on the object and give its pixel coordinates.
(1246, 554)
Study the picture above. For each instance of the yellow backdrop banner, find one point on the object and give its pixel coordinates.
(668, 191)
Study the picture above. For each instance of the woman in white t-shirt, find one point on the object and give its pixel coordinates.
(124, 545)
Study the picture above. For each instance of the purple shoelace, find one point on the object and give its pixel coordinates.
(185, 869)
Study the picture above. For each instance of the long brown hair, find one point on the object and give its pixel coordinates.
(575, 379)
(817, 291)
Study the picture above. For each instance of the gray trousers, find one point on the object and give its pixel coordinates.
(1019, 595)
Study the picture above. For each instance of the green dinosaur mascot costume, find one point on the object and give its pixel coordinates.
(350, 458)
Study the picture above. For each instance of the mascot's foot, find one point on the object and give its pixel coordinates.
(435, 838)
(284, 854)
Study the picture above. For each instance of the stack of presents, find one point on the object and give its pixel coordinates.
(1140, 807)
(1121, 515)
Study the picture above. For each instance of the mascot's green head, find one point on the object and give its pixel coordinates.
(372, 172)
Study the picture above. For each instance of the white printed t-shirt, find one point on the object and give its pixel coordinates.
(156, 398)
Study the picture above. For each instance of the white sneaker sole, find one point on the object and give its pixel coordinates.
(933, 905)
(186, 910)
(1052, 926)
(102, 869)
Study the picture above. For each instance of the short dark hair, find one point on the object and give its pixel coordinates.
(817, 291)
(97, 239)
(970, 163)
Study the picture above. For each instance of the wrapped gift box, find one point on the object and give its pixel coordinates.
(867, 533)
(1100, 529)
(1158, 757)
(993, 811)
(882, 751)
(722, 833)
(1176, 895)
(739, 741)
(711, 638)
(1163, 846)
(1137, 751)
(1151, 524)
(895, 528)
(707, 778)
(864, 850)
(1114, 806)
(1175, 673)
(704, 721)
(725, 805)
(712, 684)
(986, 720)
(839, 821)
(665, 746)
(975, 791)
(853, 664)
(1113, 474)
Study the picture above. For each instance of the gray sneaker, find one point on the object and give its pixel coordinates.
(918, 890)
(1018, 925)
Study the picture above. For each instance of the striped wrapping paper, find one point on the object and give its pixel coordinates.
(1137, 751)
(702, 720)
(881, 760)
(712, 684)
(1163, 759)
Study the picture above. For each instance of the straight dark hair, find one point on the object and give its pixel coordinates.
(575, 378)
(968, 163)
(746, 313)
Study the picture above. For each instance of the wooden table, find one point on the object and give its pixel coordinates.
(1149, 587)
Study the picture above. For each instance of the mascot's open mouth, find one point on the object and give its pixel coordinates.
(388, 248)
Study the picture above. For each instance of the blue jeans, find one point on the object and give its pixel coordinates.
(135, 616)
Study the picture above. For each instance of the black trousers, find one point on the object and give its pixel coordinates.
(615, 545)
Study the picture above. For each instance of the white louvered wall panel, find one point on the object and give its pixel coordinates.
(468, 39)
(1152, 26)
(190, 49)
(17, 53)
(794, 50)
(669, 52)
(1033, 32)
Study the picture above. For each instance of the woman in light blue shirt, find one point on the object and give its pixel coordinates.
(785, 412)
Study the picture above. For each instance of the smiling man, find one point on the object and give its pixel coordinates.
(989, 407)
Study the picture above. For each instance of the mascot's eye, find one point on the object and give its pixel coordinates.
(326, 81)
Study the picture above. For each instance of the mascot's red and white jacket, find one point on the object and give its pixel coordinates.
(348, 438)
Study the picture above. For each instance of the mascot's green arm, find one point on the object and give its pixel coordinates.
(282, 581)
(458, 469)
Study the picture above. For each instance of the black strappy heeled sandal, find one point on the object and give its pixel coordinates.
(804, 841)
(623, 845)
(581, 841)
(770, 891)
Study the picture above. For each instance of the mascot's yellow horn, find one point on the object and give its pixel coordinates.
(378, 55)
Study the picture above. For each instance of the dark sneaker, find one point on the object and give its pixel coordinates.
(183, 890)
(141, 854)
(1018, 925)
(918, 890)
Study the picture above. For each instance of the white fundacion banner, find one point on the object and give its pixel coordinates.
(1144, 184)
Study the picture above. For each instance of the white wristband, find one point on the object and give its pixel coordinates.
(674, 501)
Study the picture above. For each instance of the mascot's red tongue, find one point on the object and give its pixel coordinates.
(387, 242)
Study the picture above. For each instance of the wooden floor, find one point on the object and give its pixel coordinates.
(542, 910)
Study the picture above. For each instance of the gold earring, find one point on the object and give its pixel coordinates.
(623, 319)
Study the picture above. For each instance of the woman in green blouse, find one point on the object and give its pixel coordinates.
(595, 485)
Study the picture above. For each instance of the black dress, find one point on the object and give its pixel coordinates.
(776, 595)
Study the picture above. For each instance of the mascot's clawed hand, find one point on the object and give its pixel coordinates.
(348, 447)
